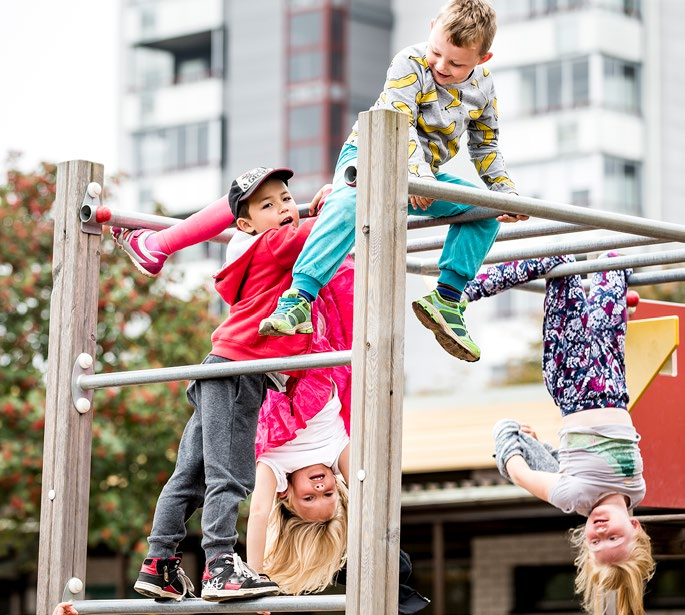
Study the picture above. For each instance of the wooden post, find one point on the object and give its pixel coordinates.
(378, 364)
(67, 443)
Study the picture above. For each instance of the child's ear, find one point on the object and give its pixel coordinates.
(284, 494)
(245, 225)
(485, 58)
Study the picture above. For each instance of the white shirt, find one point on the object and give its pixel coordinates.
(322, 441)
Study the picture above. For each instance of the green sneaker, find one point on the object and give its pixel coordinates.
(446, 320)
(293, 315)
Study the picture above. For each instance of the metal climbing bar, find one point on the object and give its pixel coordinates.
(644, 278)
(275, 604)
(217, 370)
(130, 219)
(550, 210)
(581, 244)
(648, 259)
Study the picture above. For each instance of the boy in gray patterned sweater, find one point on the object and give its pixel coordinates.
(445, 91)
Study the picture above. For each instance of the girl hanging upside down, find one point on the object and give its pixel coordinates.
(597, 471)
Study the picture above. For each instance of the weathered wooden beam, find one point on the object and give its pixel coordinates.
(67, 439)
(378, 364)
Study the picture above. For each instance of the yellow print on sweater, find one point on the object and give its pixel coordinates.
(483, 164)
(404, 108)
(435, 160)
(488, 133)
(453, 147)
(426, 97)
(456, 98)
(500, 179)
(403, 82)
(422, 60)
(428, 129)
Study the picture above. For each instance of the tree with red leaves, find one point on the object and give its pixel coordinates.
(136, 430)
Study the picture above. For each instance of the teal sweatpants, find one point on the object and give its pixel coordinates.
(332, 237)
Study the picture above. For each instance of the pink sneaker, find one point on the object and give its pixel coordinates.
(148, 262)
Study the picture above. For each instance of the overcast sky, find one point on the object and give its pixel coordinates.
(59, 80)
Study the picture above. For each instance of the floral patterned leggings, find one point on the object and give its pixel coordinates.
(583, 336)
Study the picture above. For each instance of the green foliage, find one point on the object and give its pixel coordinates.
(135, 429)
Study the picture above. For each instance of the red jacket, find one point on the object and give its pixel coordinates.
(258, 272)
(282, 414)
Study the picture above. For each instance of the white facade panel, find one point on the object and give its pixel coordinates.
(548, 39)
(171, 18)
(558, 179)
(664, 108)
(558, 135)
(412, 21)
(256, 91)
(179, 104)
(185, 191)
(366, 67)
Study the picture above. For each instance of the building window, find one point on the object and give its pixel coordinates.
(305, 122)
(306, 66)
(581, 198)
(544, 589)
(177, 147)
(621, 85)
(306, 159)
(306, 29)
(555, 86)
(316, 45)
(518, 10)
(192, 69)
(622, 185)
(666, 589)
(567, 137)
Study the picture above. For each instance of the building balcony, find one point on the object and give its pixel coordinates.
(169, 23)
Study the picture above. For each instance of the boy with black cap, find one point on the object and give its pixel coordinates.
(218, 442)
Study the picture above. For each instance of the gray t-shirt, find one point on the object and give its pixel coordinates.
(595, 462)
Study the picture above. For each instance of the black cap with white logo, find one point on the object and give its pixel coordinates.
(243, 186)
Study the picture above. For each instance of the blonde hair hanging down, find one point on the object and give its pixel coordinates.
(628, 579)
(301, 556)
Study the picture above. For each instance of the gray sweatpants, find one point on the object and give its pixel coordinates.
(215, 467)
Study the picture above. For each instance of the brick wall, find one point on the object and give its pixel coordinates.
(493, 561)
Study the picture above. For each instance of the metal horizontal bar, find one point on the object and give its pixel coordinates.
(429, 266)
(274, 604)
(509, 253)
(668, 518)
(525, 230)
(216, 370)
(547, 209)
(579, 246)
(648, 278)
(480, 213)
(132, 219)
(643, 278)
